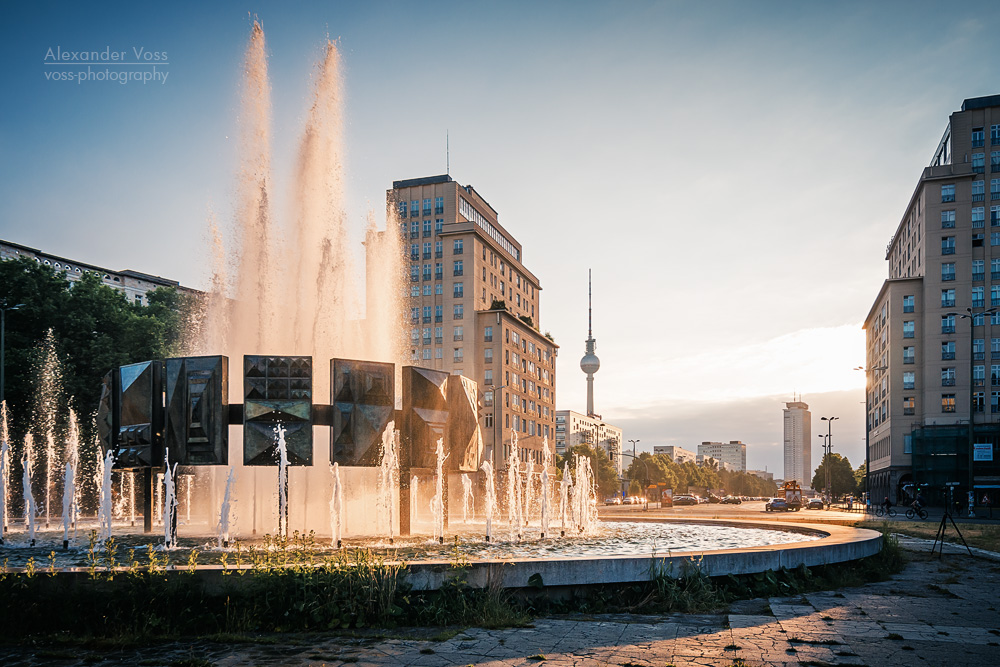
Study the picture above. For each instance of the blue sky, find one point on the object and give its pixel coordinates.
(731, 171)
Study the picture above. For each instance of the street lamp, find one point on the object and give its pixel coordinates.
(829, 451)
(868, 411)
(971, 316)
(3, 322)
(634, 457)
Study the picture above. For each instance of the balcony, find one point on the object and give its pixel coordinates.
(979, 196)
(978, 303)
(978, 224)
(945, 303)
(978, 169)
(415, 212)
(458, 272)
(907, 411)
(438, 275)
(458, 338)
(414, 235)
(427, 212)
(909, 385)
(947, 382)
(979, 356)
(947, 356)
(907, 360)
(948, 250)
(438, 340)
(978, 276)
(458, 251)
(946, 329)
(978, 143)
(995, 195)
(427, 233)
(458, 316)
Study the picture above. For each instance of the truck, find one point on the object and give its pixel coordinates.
(793, 495)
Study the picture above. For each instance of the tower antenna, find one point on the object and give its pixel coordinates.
(447, 153)
(590, 309)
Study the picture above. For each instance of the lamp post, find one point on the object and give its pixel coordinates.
(971, 316)
(634, 457)
(826, 458)
(868, 411)
(3, 323)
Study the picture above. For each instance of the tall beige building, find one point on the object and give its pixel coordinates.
(797, 422)
(574, 428)
(473, 309)
(932, 344)
(733, 453)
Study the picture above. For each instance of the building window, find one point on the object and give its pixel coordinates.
(414, 272)
(978, 137)
(994, 216)
(908, 405)
(415, 291)
(438, 289)
(978, 163)
(947, 402)
(947, 350)
(979, 376)
(978, 190)
(427, 206)
(438, 249)
(947, 324)
(947, 271)
(438, 313)
(438, 353)
(947, 245)
(438, 205)
(459, 311)
(438, 335)
(415, 207)
(488, 334)
(458, 334)
(488, 376)
(427, 250)
(947, 219)
(459, 355)
(458, 247)
(458, 268)
(947, 298)
(427, 271)
(438, 271)
(978, 401)
(427, 354)
(402, 209)
(978, 268)
(978, 240)
(458, 290)
(979, 349)
(488, 355)
(948, 377)
(427, 290)
(427, 228)
(427, 314)
(978, 217)
(908, 354)
(414, 314)
(907, 443)
(908, 329)
(427, 335)
(995, 161)
(438, 225)
(978, 296)
(908, 304)
(995, 134)
(909, 380)
(948, 193)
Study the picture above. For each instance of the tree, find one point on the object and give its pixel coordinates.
(600, 464)
(841, 475)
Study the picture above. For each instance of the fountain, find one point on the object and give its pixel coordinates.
(70, 510)
(30, 511)
(491, 497)
(225, 512)
(169, 502)
(468, 503)
(336, 508)
(104, 512)
(4, 469)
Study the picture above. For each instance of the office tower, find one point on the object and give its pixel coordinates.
(797, 440)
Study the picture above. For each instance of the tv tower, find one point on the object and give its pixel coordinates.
(590, 364)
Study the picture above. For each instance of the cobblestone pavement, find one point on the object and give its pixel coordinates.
(936, 612)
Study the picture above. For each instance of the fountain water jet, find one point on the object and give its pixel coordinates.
(437, 502)
(69, 502)
(4, 470)
(169, 503)
(336, 508)
(225, 511)
(388, 480)
(468, 506)
(282, 453)
(104, 511)
(491, 497)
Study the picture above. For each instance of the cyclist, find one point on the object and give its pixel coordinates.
(886, 504)
(918, 503)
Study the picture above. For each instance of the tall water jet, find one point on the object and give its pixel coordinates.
(564, 487)
(468, 507)
(69, 502)
(48, 393)
(491, 497)
(414, 496)
(437, 503)
(514, 514)
(50, 464)
(225, 512)
(545, 502)
(29, 501)
(104, 510)
(282, 452)
(131, 497)
(336, 508)
(4, 470)
(72, 451)
(388, 480)
(169, 503)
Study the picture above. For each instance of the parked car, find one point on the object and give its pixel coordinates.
(731, 500)
(614, 500)
(685, 500)
(814, 504)
(776, 505)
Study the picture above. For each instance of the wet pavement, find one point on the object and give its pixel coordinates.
(936, 612)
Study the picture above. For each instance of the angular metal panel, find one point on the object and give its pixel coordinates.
(197, 415)
(463, 437)
(362, 394)
(140, 430)
(277, 390)
(425, 414)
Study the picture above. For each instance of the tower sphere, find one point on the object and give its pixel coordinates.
(590, 363)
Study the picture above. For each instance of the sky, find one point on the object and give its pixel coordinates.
(731, 172)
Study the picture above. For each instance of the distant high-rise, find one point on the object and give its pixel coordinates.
(733, 453)
(590, 364)
(798, 441)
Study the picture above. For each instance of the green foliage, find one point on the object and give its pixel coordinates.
(96, 328)
(842, 476)
(600, 463)
(661, 469)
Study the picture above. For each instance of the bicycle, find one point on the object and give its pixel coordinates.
(881, 511)
(918, 512)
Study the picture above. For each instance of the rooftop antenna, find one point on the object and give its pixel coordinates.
(590, 309)
(447, 153)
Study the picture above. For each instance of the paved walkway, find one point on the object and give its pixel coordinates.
(936, 612)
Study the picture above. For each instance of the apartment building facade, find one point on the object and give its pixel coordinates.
(575, 428)
(932, 334)
(797, 428)
(676, 454)
(732, 453)
(472, 308)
